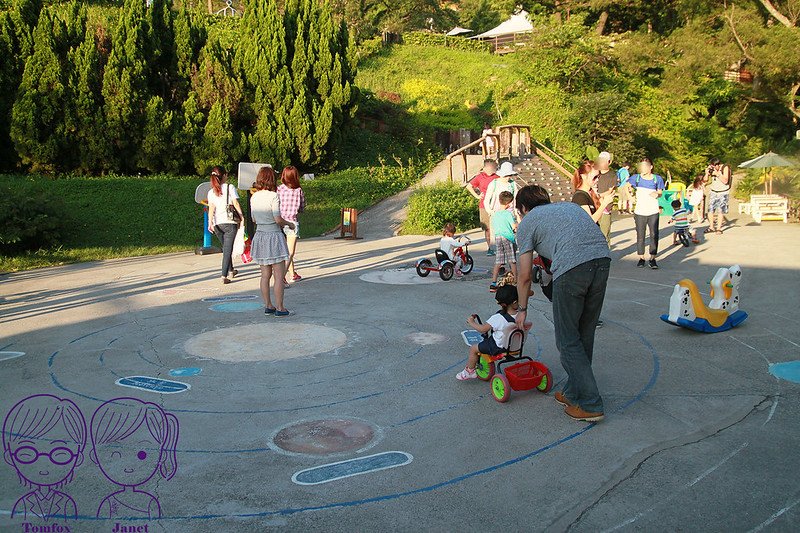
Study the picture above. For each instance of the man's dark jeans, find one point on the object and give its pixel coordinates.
(577, 301)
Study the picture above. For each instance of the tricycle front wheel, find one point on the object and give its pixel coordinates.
(484, 369)
(501, 389)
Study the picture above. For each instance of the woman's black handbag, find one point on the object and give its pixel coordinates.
(232, 212)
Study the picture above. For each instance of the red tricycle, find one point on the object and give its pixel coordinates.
(523, 374)
(445, 266)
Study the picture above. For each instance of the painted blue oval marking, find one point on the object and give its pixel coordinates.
(186, 371)
(5, 356)
(471, 337)
(233, 298)
(236, 307)
(145, 383)
(351, 467)
(789, 371)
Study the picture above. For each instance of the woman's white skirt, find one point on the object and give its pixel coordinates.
(269, 248)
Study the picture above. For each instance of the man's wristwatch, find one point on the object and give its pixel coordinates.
(523, 309)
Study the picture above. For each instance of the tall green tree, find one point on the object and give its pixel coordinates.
(38, 125)
(87, 124)
(125, 84)
(9, 78)
(220, 145)
(261, 61)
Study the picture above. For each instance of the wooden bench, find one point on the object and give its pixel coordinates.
(769, 207)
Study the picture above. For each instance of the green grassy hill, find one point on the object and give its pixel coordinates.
(445, 88)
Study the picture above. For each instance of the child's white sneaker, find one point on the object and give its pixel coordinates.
(466, 374)
(459, 274)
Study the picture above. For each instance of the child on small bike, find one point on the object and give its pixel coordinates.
(500, 325)
(680, 217)
(449, 243)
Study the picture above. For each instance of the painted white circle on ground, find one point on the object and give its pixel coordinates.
(10, 355)
(424, 339)
(269, 341)
(400, 276)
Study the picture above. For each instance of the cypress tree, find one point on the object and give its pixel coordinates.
(216, 80)
(125, 84)
(16, 45)
(261, 60)
(300, 50)
(190, 134)
(322, 61)
(161, 66)
(88, 123)
(38, 117)
(189, 38)
(220, 145)
(156, 151)
(25, 17)
(9, 79)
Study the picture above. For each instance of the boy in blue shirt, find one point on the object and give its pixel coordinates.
(503, 227)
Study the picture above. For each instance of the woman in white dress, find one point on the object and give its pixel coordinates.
(269, 248)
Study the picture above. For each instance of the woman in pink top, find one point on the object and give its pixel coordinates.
(293, 202)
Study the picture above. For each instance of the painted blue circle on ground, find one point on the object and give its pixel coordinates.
(186, 371)
(236, 307)
(789, 371)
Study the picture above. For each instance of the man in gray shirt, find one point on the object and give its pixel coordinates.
(566, 235)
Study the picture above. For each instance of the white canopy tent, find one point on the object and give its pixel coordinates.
(458, 30)
(518, 23)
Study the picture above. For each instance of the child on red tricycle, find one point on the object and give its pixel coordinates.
(502, 346)
(496, 331)
(452, 256)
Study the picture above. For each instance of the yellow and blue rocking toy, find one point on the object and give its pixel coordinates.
(687, 310)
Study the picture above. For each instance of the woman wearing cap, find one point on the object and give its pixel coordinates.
(506, 182)
(269, 243)
(221, 219)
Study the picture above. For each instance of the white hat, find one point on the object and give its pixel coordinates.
(507, 169)
(604, 155)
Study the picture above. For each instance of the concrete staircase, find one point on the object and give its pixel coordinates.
(534, 170)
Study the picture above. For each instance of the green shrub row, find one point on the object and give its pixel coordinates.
(439, 39)
(429, 208)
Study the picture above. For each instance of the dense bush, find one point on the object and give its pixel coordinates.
(429, 208)
(439, 39)
(30, 218)
(153, 89)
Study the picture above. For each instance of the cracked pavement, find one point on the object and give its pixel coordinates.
(698, 434)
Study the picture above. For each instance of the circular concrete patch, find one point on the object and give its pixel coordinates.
(400, 276)
(325, 436)
(424, 339)
(269, 341)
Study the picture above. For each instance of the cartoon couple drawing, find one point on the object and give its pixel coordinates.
(44, 439)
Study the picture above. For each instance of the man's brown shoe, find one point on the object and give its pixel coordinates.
(560, 398)
(576, 413)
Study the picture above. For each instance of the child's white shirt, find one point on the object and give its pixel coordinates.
(448, 244)
(501, 329)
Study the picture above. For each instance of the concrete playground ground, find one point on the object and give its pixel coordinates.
(699, 435)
